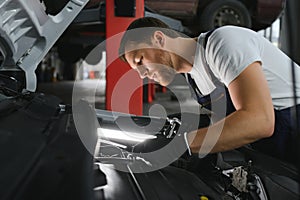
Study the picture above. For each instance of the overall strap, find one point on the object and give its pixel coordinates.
(219, 93)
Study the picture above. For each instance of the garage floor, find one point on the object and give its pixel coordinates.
(64, 91)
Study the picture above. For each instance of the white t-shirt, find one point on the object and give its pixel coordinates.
(229, 50)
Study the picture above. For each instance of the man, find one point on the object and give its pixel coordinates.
(256, 74)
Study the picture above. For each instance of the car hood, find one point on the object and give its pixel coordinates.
(27, 33)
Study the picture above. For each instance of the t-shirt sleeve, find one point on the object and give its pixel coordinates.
(230, 50)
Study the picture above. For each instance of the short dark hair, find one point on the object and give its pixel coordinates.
(145, 37)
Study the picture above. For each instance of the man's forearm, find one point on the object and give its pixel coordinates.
(239, 128)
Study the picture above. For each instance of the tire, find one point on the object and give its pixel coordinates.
(224, 12)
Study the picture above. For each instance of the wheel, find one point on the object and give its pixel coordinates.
(224, 12)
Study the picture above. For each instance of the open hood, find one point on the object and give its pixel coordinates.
(27, 33)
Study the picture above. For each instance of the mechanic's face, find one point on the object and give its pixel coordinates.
(150, 61)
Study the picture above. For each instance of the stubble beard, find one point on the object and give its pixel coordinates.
(166, 75)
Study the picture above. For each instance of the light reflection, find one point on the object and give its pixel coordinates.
(123, 135)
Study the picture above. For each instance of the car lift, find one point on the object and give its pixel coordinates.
(119, 14)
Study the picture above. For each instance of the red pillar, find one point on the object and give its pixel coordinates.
(151, 91)
(119, 78)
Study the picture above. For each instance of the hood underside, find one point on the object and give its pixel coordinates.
(27, 33)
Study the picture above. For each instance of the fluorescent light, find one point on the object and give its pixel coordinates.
(123, 135)
(114, 144)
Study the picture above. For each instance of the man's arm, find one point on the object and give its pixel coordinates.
(252, 120)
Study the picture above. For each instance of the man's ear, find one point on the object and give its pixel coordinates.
(159, 38)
